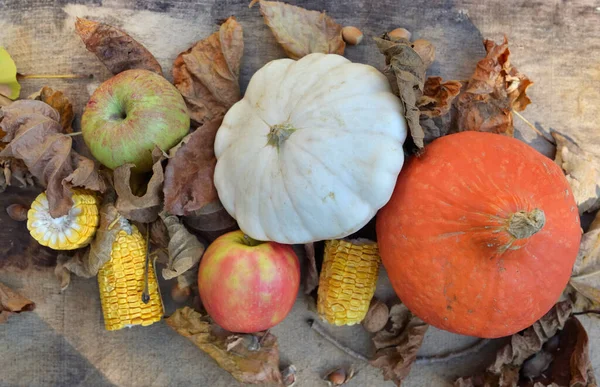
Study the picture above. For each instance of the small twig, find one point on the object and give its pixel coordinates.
(74, 134)
(54, 76)
(533, 127)
(475, 347)
(262, 339)
(146, 292)
(321, 331)
(586, 312)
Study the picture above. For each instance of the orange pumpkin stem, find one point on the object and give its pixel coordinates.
(523, 224)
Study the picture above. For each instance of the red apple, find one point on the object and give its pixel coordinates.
(248, 286)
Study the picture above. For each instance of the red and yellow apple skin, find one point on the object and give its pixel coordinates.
(248, 286)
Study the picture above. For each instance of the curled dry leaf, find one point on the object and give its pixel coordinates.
(494, 90)
(14, 172)
(435, 107)
(12, 302)
(211, 221)
(9, 86)
(405, 70)
(159, 235)
(207, 74)
(311, 280)
(584, 285)
(60, 103)
(145, 208)
(189, 174)
(581, 171)
(397, 346)
(246, 366)
(34, 132)
(185, 251)
(288, 375)
(115, 48)
(300, 31)
(86, 263)
(553, 351)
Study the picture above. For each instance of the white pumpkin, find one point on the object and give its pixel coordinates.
(312, 151)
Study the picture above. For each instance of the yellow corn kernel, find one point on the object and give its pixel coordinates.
(68, 232)
(348, 279)
(121, 282)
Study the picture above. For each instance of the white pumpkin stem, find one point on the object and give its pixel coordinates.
(523, 224)
(279, 133)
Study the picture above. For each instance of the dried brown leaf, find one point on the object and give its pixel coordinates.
(584, 285)
(495, 89)
(60, 103)
(211, 221)
(207, 74)
(300, 31)
(159, 235)
(581, 172)
(405, 70)
(115, 48)
(311, 280)
(12, 302)
(36, 137)
(435, 105)
(397, 346)
(246, 366)
(185, 251)
(86, 263)
(14, 172)
(145, 208)
(504, 371)
(189, 174)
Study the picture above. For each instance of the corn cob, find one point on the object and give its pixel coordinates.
(68, 232)
(122, 280)
(348, 278)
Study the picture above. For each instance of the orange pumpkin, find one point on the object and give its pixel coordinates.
(480, 235)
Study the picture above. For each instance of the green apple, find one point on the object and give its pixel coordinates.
(131, 113)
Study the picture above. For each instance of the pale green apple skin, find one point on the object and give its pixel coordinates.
(129, 114)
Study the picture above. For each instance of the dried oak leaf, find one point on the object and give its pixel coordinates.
(300, 31)
(207, 74)
(185, 251)
(189, 174)
(145, 208)
(246, 366)
(211, 221)
(504, 371)
(9, 86)
(581, 173)
(311, 280)
(115, 48)
(495, 89)
(435, 107)
(397, 346)
(36, 137)
(60, 103)
(584, 285)
(12, 302)
(406, 72)
(86, 263)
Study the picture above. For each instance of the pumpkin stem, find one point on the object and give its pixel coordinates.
(279, 133)
(523, 224)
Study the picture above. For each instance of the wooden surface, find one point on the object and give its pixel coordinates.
(556, 43)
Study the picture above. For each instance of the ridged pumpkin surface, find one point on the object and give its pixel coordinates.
(455, 251)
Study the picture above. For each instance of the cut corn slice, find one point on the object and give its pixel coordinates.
(68, 232)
